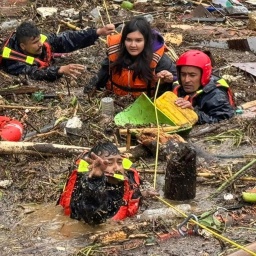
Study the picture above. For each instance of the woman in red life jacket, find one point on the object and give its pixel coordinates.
(101, 188)
(210, 97)
(28, 52)
(136, 60)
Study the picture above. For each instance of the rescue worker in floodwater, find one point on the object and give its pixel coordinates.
(136, 61)
(210, 97)
(104, 185)
(31, 53)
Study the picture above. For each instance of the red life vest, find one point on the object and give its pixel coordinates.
(131, 206)
(124, 84)
(218, 84)
(8, 53)
(129, 209)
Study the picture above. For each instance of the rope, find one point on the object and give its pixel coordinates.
(209, 230)
(158, 132)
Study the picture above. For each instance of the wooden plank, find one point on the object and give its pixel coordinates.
(249, 104)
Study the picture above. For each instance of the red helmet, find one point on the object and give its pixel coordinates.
(197, 59)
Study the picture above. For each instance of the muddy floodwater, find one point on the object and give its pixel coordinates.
(42, 229)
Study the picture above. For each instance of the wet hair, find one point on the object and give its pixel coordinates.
(104, 148)
(25, 31)
(142, 68)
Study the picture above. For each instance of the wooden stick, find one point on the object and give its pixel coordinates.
(200, 174)
(251, 247)
(249, 104)
(70, 25)
(105, 5)
(5, 75)
(128, 140)
(232, 179)
(101, 17)
(19, 90)
(10, 147)
(198, 3)
(21, 107)
(148, 130)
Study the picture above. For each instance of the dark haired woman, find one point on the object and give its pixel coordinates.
(136, 60)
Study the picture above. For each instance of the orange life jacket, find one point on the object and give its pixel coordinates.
(124, 84)
(191, 98)
(131, 205)
(8, 53)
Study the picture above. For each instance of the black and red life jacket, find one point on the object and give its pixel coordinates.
(220, 83)
(131, 202)
(9, 53)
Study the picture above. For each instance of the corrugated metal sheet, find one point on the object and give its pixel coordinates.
(249, 67)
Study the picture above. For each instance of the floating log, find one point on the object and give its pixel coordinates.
(149, 130)
(48, 149)
(19, 90)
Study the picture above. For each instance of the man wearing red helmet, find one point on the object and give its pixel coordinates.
(197, 89)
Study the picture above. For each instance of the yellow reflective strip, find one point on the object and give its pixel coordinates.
(43, 38)
(127, 164)
(30, 60)
(199, 91)
(83, 166)
(223, 83)
(119, 176)
(6, 52)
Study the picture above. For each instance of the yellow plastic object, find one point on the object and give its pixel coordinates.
(249, 196)
(179, 116)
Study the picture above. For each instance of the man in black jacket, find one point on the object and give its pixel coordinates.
(28, 52)
(210, 97)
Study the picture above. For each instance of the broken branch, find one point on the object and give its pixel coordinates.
(21, 107)
(19, 90)
(149, 130)
(232, 179)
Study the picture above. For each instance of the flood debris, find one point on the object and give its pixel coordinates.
(229, 145)
(242, 44)
(46, 11)
(233, 178)
(249, 67)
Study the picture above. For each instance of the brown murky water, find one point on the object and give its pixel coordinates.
(44, 230)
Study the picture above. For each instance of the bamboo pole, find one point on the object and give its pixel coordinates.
(251, 247)
(232, 179)
(21, 107)
(148, 130)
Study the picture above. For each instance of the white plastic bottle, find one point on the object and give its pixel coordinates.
(165, 213)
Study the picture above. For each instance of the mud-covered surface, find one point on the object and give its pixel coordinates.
(30, 221)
